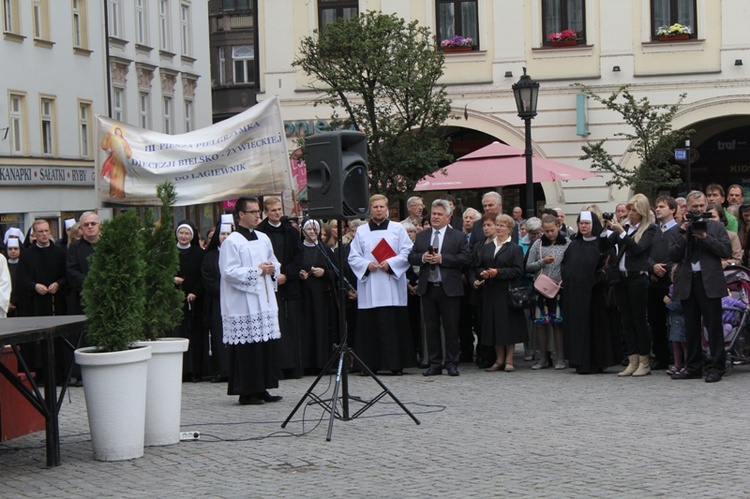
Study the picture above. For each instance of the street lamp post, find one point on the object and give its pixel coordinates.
(526, 92)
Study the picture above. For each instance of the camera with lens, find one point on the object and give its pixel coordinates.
(698, 221)
(608, 216)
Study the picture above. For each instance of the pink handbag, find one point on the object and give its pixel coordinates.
(544, 284)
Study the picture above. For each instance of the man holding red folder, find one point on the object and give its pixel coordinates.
(378, 258)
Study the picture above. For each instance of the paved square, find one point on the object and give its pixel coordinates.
(533, 433)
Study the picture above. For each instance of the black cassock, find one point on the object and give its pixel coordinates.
(217, 354)
(591, 340)
(318, 324)
(42, 266)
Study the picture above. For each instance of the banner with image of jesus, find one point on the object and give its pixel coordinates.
(243, 155)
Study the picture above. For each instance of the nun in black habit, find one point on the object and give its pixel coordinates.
(591, 340)
(188, 280)
(318, 325)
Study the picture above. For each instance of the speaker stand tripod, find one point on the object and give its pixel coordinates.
(343, 355)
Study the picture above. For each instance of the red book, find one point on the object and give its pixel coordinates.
(383, 251)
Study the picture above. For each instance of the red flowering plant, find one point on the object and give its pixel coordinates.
(564, 35)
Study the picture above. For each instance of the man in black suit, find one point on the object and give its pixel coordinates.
(441, 253)
(700, 285)
(287, 246)
(660, 266)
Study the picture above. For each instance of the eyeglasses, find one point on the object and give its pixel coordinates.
(90, 224)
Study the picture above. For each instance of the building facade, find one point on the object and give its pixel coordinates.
(52, 87)
(616, 43)
(234, 67)
(143, 62)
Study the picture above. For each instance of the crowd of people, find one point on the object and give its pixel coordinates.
(437, 289)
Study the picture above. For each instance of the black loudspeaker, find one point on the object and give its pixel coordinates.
(337, 178)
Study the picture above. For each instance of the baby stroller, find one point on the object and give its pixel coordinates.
(735, 314)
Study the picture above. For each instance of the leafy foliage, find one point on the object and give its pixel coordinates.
(113, 297)
(653, 142)
(163, 300)
(383, 72)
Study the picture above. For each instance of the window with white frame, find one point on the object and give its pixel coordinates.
(118, 104)
(185, 28)
(561, 15)
(222, 67)
(48, 126)
(669, 12)
(164, 24)
(144, 109)
(40, 19)
(243, 59)
(77, 23)
(115, 18)
(457, 17)
(80, 24)
(167, 114)
(141, 24)
(188, 116)
(84, 128)
(11, 17)
(37, 17)
(17, 123)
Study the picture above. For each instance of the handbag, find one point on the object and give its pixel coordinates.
(544, 284)
(520, 297)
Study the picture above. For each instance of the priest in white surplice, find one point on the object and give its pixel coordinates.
(249, 312)
(383, 340)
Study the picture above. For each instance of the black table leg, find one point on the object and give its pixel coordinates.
(50, 401)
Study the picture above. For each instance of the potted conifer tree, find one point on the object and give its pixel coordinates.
(114, 371)
(162, 313)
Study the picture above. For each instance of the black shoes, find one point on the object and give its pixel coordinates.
(713, 377)
(687, 375)
(259, 399)
(453, 371)
(432, 371)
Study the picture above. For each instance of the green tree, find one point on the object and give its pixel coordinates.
(383, 72)
(652, 138)
(164, 301)
(113, 297)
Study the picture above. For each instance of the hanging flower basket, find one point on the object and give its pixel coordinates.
(565, 43)
(458, 48)
(674, 38)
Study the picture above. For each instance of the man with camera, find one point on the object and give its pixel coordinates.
(700, 284)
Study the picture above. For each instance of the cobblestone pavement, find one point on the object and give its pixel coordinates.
(533, 433)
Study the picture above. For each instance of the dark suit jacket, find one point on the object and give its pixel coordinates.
(635, 253)
(455, 254)
(660, 254)
(714, 247)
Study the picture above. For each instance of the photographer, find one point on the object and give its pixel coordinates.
(700, 284)
(634, 243)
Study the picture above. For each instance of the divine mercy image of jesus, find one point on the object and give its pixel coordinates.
(113, 168)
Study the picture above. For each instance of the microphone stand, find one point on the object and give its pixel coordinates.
(343, 353)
